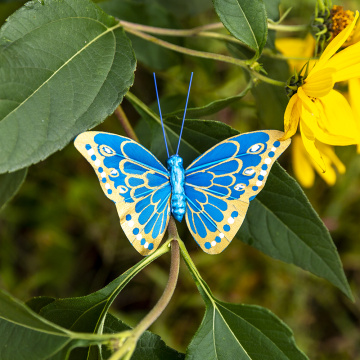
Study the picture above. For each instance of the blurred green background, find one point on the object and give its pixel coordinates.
(61, 237)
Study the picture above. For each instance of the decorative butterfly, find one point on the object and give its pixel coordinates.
(213, 192)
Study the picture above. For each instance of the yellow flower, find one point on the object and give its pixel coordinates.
(304, 166)
(322, 113)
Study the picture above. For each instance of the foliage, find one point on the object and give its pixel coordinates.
(66, 66)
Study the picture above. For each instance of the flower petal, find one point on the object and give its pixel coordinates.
(336, 124)
(330, 156)
(320, 83)
(334, 45)
(303, 169)
(308, 139)
(291, 117)
(346, 63)
(307, 103)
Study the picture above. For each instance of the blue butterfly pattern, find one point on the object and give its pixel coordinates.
(218, 185)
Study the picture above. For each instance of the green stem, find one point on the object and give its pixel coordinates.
(243, 64)
(127, 347)
(197, 31)
(124, 121)
(187, 51)
(170, 32)
(287, 28)
(194, 271)
(160, 306)
(270, 53)
(135, 100)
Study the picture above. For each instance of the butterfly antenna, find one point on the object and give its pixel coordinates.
(182, 125)
(162, 123)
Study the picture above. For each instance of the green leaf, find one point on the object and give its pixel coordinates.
(146, 13)
(232, 331)
(25, 335)
(209, 109)
(291, 230)
(10, 183)
(88, 313)
(149, 347)
(65, 66)
(237, 331)
(246, 20)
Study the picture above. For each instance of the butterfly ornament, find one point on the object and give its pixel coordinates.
(213, 193)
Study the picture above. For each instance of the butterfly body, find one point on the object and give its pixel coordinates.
(177, 181)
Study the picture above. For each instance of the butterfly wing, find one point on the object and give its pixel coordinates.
(220, 184)
(135, 181)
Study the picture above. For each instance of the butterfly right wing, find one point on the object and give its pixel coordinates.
(220, 184)
(135, 181)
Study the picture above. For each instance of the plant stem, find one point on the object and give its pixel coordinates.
(160, 306)
(243, 64)
(187, 51)
(170, 32)
(287, 28)
(128, 346)
(124, 121)
(197, 31)
(135, 100)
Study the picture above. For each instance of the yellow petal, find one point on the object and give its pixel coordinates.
(330, 156)
(320, 83)
(307, 103)
(303, 169)
(346, 63)
(334, 45)
(308, 139)
(336, 123)
(291, 118)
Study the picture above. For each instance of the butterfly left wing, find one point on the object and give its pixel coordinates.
(220, 184)
(135, 181)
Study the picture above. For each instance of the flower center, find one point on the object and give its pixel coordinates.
(340, 19)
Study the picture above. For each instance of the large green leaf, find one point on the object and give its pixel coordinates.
(25, 335)
(65, 66)
(290, 229)
(246, 332)
(88, 313)
(237, 331)
(245, 19)
(10, 184)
